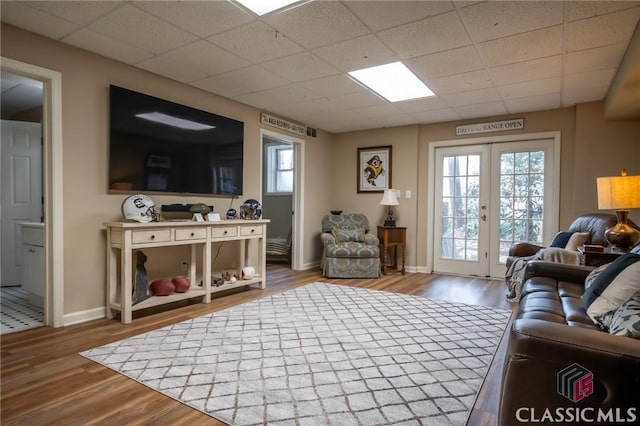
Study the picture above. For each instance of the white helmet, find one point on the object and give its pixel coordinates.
(140, 208)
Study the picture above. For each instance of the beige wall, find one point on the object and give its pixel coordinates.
(587, 145)
(85, 81)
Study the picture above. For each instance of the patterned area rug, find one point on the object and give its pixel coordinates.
(321, 354)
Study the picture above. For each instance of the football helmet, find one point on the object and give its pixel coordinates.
(232, 214)
(251, 209)
(140, 208)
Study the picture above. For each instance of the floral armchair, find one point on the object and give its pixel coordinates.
(350, 251)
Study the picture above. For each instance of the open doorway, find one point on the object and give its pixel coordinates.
(49, 216)
(281, 196)
(22, 262)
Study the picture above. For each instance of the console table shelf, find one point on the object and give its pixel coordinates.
(123, 238)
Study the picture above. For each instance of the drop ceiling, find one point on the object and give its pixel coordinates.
(480, 58)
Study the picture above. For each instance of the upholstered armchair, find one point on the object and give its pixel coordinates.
(350, 251)
(594, 224)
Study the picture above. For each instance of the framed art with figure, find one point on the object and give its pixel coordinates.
(374, 169)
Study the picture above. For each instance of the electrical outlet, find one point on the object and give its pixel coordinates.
(184, 266)
(407, 194)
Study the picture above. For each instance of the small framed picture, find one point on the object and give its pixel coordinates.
(213, 217)
(198, 217)
(374, 169)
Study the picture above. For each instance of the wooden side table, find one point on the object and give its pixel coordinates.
(598, 258)
(392, 236)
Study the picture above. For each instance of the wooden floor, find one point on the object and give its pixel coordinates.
(45, 382)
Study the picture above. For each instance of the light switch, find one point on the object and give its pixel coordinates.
(407, 194)
(398, 193)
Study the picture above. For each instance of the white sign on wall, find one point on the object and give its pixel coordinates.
(283, 124)
(496, 126)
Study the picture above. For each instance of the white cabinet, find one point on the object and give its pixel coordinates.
(33, 262)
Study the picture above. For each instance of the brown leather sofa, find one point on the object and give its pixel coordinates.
(594, 223)
(551, 332)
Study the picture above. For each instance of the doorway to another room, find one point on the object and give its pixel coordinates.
(22, 271)
(280, 195)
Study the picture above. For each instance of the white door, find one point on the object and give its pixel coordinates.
(462, 194)
(488, 197)
(21, 195)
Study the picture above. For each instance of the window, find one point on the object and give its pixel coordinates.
(279, 168)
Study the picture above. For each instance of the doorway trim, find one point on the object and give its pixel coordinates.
(297, 254)
(555, 135)
(53, 183)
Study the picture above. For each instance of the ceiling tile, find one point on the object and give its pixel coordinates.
(436, 115)
(257, 100)
(594, 59)
(430, 35)
(361, 99)
(194, 62)
(317, 23)
(492, 20)
(481, 110)
(333, 86)
(78, 12)
(530, 88)
(533, 103)
(522, 47)
(137, 28)
(536, 69)
(246, 80)
(106, 46)
(256, 42)
(379, 15)
(449, 62)
(30, 19)
(602, 30)
(460, 82)
(586, 9)
(587, 80)
(572, 97)
(202, 18)
(471, 97)
(362, 52)
(424, 104)
(290, 94)
(300, 67)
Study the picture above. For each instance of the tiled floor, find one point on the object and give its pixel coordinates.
(16, 313)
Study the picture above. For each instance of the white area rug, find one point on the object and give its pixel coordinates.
(321, 354)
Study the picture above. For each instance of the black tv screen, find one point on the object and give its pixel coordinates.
(158, 146)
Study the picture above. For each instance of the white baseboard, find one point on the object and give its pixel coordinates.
(310, 265)
(84, 316)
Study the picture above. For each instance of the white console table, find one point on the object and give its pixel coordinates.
(125, 237)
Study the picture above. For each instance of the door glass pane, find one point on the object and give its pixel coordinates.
(460, 201)
(521, 199)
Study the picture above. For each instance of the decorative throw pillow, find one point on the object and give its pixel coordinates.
(576, 240)
(623, 286)
(343, 235)
(626, 319)
(594, 274)
(561, 239)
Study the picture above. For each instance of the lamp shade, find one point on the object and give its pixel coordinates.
(618, 192)
(389, 198)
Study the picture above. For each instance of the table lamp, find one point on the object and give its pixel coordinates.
(389, 199)
(620, 193)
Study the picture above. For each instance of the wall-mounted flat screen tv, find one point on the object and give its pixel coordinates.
(158, 146)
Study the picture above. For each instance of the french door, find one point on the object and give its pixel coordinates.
(487, 197)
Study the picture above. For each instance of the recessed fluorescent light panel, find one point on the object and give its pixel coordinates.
(394, 82)
(262, 7)
(172, 121)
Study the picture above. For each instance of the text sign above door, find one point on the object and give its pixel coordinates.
(495, 126)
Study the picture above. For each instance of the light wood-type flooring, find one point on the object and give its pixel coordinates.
(45, 382)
